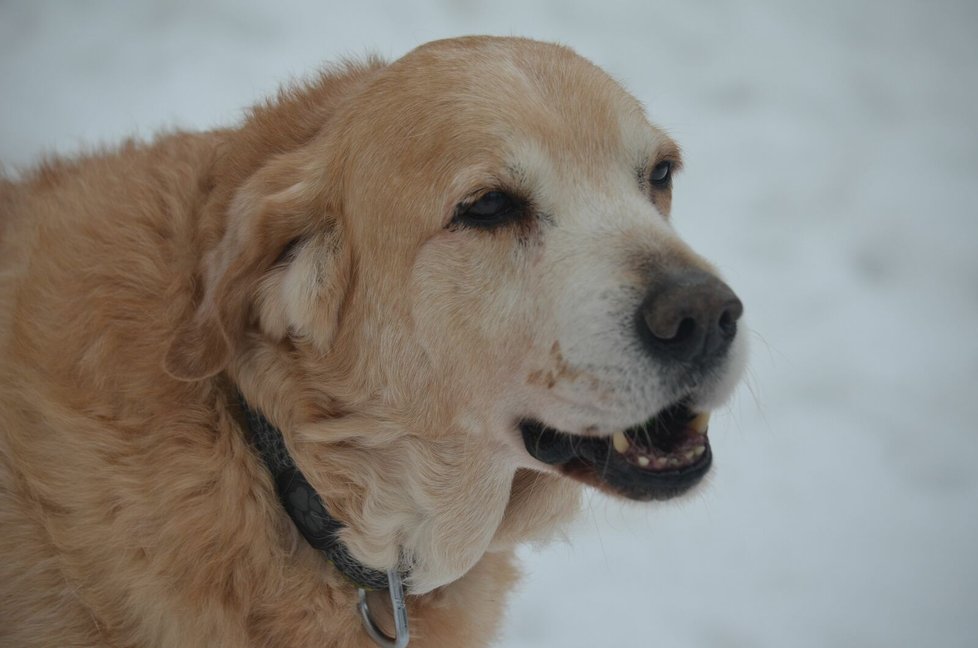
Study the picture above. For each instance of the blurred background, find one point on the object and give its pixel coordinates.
(832, 175)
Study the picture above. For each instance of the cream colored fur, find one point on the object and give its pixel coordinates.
(306, 258)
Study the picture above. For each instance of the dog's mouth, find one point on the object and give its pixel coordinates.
(661, 458)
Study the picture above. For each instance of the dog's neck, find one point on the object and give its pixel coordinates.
(303, 504)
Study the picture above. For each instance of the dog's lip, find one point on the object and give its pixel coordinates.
(658, 459)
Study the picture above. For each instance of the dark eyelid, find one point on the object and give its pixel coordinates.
(675, 162)
(288, 252)
(675, 166)
(512, 207)
(665, 165)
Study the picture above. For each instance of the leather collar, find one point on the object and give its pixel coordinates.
(303, 503)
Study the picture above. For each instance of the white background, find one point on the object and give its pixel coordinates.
(832, 175)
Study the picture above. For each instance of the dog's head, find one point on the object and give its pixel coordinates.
(461, 287)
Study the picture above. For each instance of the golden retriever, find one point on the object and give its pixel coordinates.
(450, 282)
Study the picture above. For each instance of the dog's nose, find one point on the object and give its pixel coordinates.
(689, 316)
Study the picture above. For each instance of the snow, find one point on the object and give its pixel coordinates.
(832, 175)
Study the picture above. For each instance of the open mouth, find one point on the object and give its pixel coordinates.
(659, 459)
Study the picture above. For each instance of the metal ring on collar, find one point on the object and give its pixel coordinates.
(401, 632)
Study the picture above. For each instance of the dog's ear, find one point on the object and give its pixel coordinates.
(280, 211)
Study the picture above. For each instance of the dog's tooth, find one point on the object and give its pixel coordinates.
(620, 442)
(643, 461)
(700, 422)
(698, 451)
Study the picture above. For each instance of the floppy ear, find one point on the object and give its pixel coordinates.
(281, 207)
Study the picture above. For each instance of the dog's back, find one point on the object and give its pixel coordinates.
(95, 258)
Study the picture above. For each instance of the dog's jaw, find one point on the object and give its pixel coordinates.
(392, 518)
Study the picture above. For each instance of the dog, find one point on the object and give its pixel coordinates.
(441, 294)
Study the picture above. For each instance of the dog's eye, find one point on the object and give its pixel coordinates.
(661, 174)
(491, 210)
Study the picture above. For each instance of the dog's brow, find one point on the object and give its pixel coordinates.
(669, 150)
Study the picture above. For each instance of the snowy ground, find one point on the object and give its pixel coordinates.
(832, 175)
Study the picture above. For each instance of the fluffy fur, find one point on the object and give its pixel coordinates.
(308, 258)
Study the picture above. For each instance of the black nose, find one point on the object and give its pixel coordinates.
(690, 316)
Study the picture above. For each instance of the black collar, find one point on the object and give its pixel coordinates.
(303, 504)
